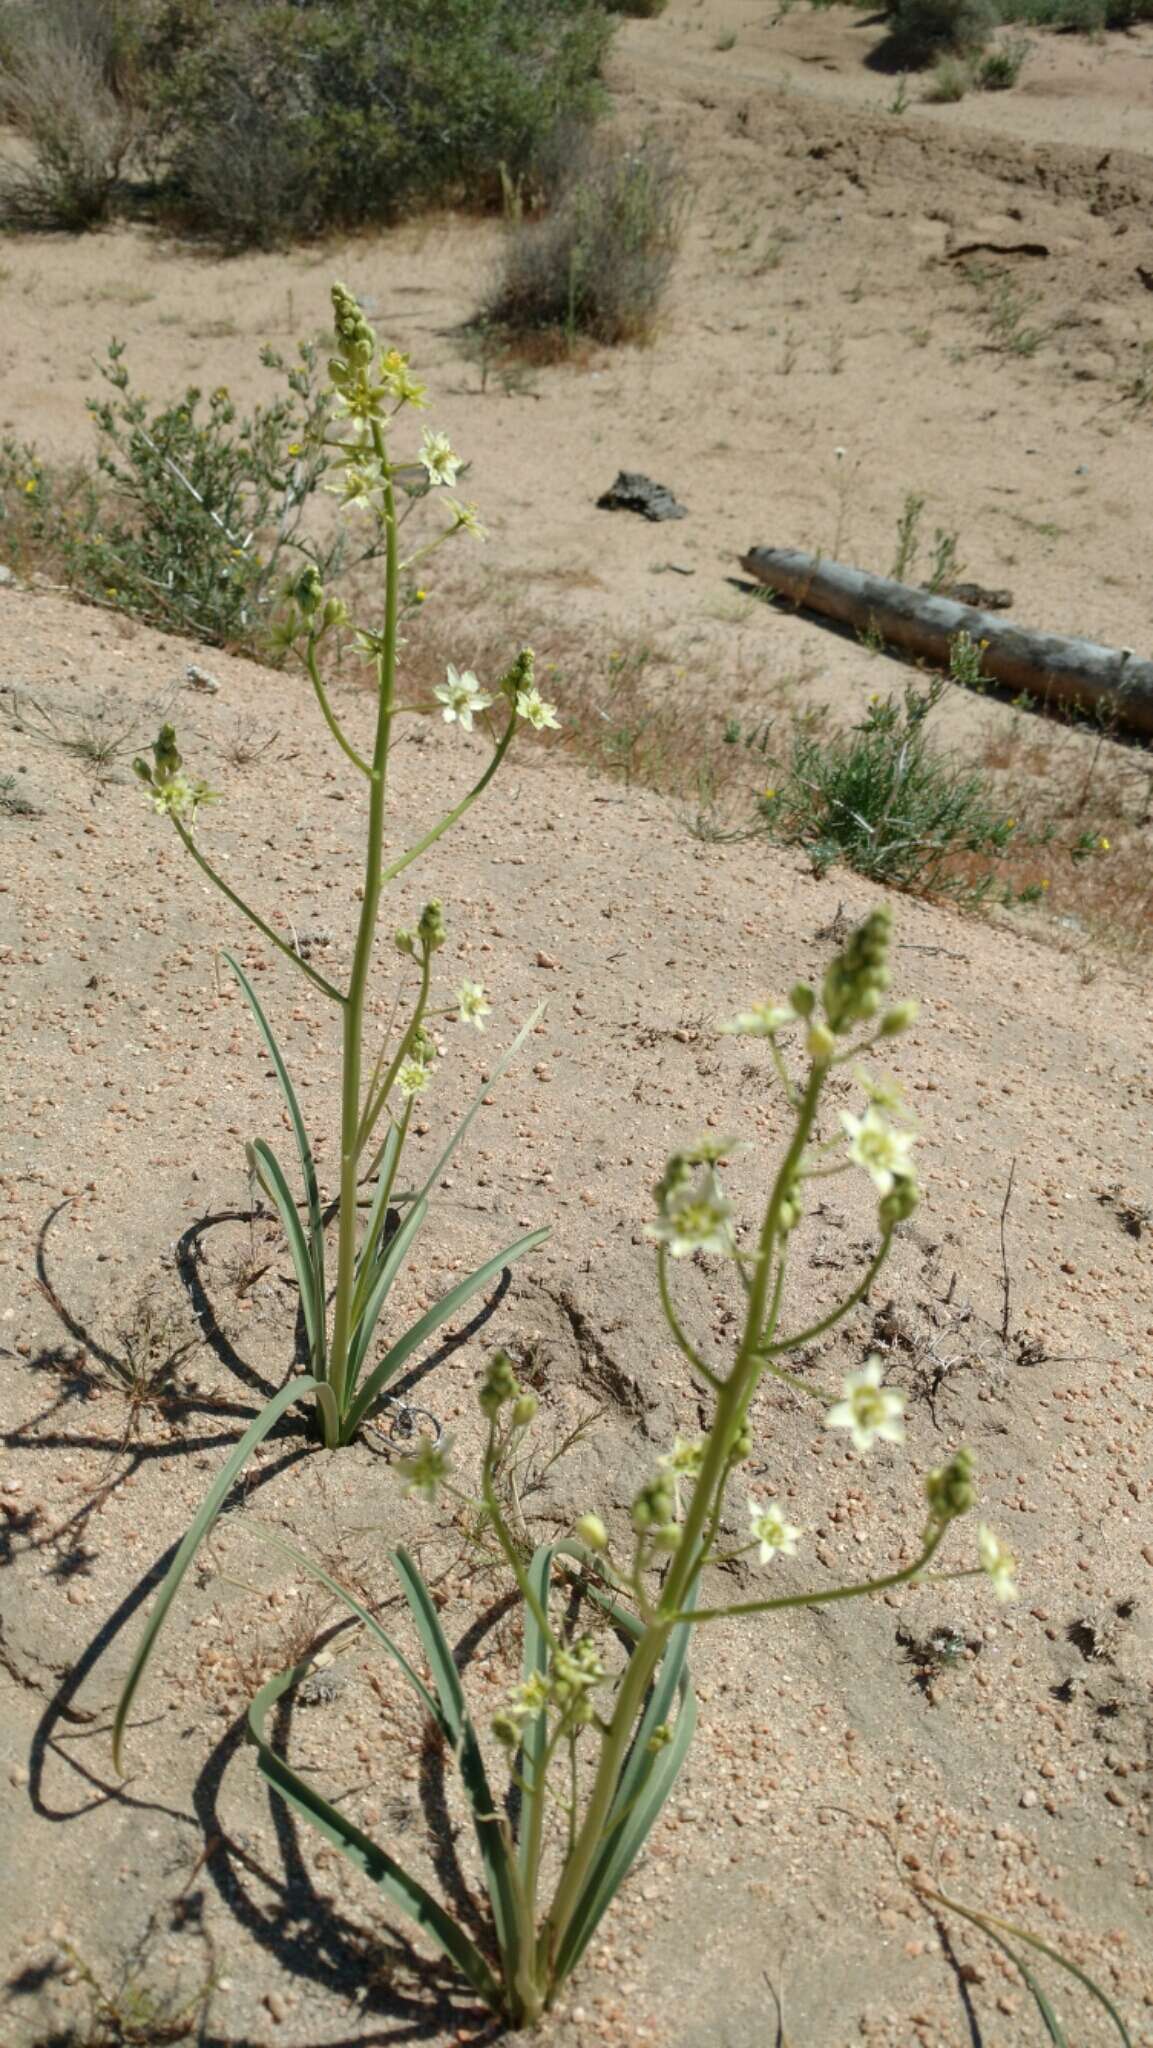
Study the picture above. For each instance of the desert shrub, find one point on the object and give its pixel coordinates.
(922, 30)
(598, 264)
(57, 91)
(641, 10)
(1000, 69)
(882, 799)
(191, 518)
(277, 121)
(950, 80)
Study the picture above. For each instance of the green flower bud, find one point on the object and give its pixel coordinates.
(431, 927)
(742, 1445)
(820, 1043)
(898, 1205)
(950, 1490)
(790, 1212)
(308, 590)
(857, 978)
(655, 1503)
(591, 1531)
(524, 1409)
(667, 1537)
(404, 941)
(499, 1386)
(659, 1739)
(803, 999)
(335, 613)
(898, 1019)
(506, 1730)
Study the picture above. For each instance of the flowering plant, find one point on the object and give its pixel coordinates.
(596, 1730)
(370, 390)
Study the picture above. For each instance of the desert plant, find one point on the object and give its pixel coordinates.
(950, 81)
(595, 1733)
(1000, 69)
(371, 389)
(599, 263)
(920, 31)
(193, 514)
(75, 131)
(275, 122)
(882, 799)
(640, 10)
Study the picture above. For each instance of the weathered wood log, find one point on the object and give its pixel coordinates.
(1113, 682)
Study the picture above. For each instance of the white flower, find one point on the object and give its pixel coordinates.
(472, 1004)
(461, 695)
(875, 1145)
(467, 520)
(179, 797)
(439, 461)
(998, 1561)
(695, 1218)
(412, 1076)
(531, 705)
(869, 1410)
(359, 484)
(762, 1020)
(768, 1527)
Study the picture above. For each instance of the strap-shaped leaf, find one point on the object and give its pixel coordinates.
(499, 1071)
(535, 1745)
(501, 1878)
(386, 1273)
(996, 1928)
(626, 1840)
(303, 1148)
(194, 1536)
(439, 1313)
(376, 1864)
(270, 1174)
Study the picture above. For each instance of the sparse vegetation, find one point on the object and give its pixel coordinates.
(921, 31)
(1000, 68)
(598, 264)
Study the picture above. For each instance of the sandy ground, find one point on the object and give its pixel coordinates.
(818, 304)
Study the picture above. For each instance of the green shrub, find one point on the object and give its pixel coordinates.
(598, 264)
(641, 10)
(884, 801)
(950, 80)
(192, 516)
(1000, 69)
(922, 30)
(277, 122)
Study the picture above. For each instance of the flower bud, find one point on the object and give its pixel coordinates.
(524, 1409)
(335, 613)
(803, 999)
(431, 927)
(898, 1205)
(742, 1445)
(655, 1503)
(820, 1043)
(950, 1490)
(308, 590)
(591, 1531)
(667, 1537)
(898, 1019)
(855, 981)
(506, 1730)
(404, 941)
(500, 1384)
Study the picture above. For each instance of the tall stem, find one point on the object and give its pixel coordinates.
(353, 1036)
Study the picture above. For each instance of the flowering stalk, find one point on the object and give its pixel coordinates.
(553, 1720)
(370, 390)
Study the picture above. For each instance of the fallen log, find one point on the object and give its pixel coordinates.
(1113, 682)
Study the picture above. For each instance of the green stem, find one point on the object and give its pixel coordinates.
(283, 945)
(330, 719)
(674, 1322)
(825, 1599)
(350, 1105)
(375, 1102)
(430, 838)
(834, 1316)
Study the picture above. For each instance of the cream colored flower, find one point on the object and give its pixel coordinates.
(467, 519)
(695, 1217)
(868, 1409)
(998, 1562)
(412, 1076)
(530, 705)
(472, 1004)
(441, 465)
(769, 1529)
(760, 1020)
(875, 1145)
(461, 695)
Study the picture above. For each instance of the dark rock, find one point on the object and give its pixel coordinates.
(633, 492)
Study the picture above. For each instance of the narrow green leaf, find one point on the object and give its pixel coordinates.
(304, 1149)
(198, 1529)
(533, 1750)
(499, 1868)
(269, 1172)
(375, 1863)
(386, 1273)
(499, 1071)
(439, 1313)
(994, 1928)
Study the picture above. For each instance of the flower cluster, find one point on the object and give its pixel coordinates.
(574, 1672)
(501, 1389)
(175, 793)
(694, 1214)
